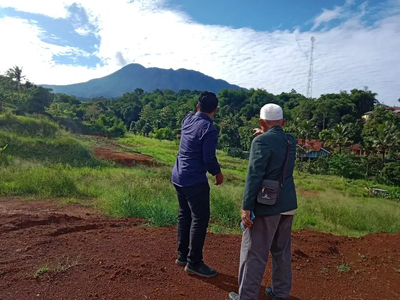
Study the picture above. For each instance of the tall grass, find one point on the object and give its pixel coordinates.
(148, 194)
(38, 139)
(27, 126)
(46, 166)
(166, 151)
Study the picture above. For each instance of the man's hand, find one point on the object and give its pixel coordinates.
(246, 219)
(219, 179)
(257, 131)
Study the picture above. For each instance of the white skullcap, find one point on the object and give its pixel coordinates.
(271, 112)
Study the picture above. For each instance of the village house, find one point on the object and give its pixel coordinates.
(312, 148)
(394, 109)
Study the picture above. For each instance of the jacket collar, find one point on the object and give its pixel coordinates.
(275, 129)
(204, 116)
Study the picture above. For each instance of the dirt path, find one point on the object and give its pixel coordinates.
(87, 256)
(126, 158)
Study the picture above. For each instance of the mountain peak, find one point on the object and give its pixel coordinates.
(133, 76)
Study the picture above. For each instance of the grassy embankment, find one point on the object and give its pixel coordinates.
(43, 161)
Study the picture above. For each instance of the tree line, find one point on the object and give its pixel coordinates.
(336, 118)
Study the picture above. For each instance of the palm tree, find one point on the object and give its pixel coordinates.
(15, 73)
(340, 136)
(386, 136)
(302, 129)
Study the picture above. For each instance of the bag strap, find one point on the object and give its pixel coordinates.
(284, 169)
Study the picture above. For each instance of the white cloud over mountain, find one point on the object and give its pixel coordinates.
(352, 53)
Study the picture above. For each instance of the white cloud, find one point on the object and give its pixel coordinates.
(83, 31)
(327, 16)
(348, 56)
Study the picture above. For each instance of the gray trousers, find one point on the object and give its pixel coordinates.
(269, 233)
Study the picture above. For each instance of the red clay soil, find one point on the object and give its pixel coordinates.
(126, 158)
(93, 257)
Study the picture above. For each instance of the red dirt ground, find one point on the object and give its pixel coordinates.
(126, 158)
(94, 257)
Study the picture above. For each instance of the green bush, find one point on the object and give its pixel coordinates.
(345, 166)
(390, 174)
(164, 134)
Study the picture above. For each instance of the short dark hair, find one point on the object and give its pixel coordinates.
(208, 102)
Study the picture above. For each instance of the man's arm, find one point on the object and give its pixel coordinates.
(259, 156)
(209, 152)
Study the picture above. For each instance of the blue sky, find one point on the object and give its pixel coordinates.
(260, 15)
(252, 43)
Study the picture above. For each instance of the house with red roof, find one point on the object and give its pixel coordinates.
(357, 150)
(312, 148)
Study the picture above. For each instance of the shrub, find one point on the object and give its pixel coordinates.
(345, 166)
(390, 174)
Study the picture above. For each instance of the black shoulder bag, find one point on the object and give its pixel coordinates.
(270, 189)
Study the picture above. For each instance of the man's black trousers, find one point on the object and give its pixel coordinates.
(193, 218)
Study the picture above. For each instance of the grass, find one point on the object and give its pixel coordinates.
(58, 267)
(61, 165)
(41, 271)
(343, 268)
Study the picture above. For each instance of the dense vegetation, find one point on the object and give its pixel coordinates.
(337, 119)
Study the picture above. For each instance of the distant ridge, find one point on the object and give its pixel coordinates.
(135, 76)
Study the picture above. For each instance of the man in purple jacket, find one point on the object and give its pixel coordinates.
(197, 156)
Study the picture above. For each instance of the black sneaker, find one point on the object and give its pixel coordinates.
(181, 262)
(202, 271)
(270, 294)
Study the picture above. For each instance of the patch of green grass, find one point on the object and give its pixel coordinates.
(343, 268)
(65, 264)
(28, 126)
(166, 151)
(333, 212)
(41, 271)
(336, 205)
(58, 267)
(53, 181)
(398, 271)
(148, 198)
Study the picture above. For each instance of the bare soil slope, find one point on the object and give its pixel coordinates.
(76, 254)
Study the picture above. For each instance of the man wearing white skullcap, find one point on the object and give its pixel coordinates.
(268, 205)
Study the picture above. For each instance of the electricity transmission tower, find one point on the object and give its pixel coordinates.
(311, 71)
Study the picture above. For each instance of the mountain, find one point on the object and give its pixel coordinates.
(135, 76)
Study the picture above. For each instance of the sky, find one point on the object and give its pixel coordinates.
(253, 43)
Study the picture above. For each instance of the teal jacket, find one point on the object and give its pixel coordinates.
(267, 156)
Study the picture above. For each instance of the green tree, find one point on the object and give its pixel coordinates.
(385, 137)
(39, 100)
(302, 129)
(147, 128)
(340, 136)
(15, 73)
(164, 134)
(364, 101)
